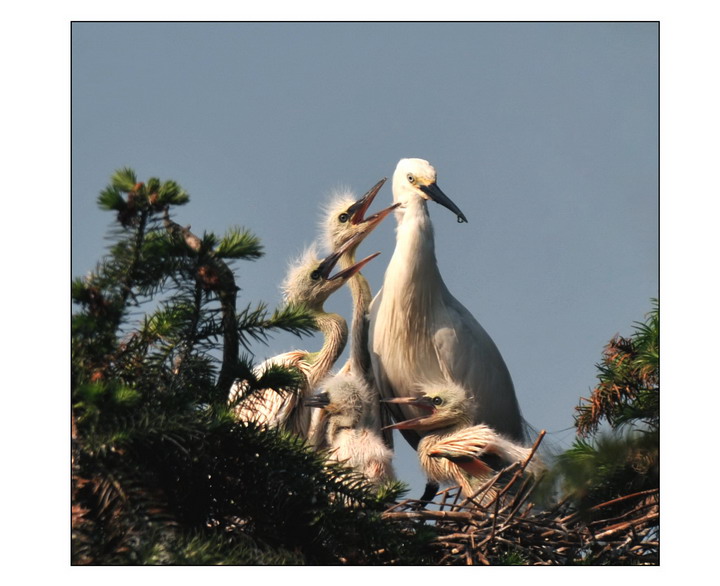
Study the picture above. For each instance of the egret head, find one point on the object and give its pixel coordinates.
(416, 178)
(444, 405)
(344, 398)
(345, 217)
(309, 281)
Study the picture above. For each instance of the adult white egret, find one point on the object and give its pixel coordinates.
(309, 283)
(419, 333)
(352, 434)
(452, 450)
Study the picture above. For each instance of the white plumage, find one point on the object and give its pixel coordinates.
(419, 333)
(352, 434)
(345, 220)
(309, 283)
(452, 450)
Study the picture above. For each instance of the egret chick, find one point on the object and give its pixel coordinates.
(452, 450)
(419, 333)
(344, 221)
(309, 283)
(352, 435)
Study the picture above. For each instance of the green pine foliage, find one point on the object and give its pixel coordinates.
(617, 449)
(161, 471)
(628, 392)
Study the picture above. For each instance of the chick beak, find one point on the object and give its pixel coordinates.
(375, 219)
(436, 194)
(350, 271)
(423, 403)
(358, 209)
(328, 264)
(317, 400)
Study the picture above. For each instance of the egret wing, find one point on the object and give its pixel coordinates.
(468, 356)
(270, 407)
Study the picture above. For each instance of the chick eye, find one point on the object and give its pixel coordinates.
(315, 275)
(344, 217)
(437, 401)
(411, 178)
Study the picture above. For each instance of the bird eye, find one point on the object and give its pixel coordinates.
(344, 217)
(411, 178)
(437, 401)
(315, 275)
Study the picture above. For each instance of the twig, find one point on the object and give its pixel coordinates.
(226, 289)
(424, 514)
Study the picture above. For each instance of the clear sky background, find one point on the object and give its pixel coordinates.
(544, 134)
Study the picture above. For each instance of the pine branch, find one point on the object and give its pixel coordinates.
(239, 243)
(162, 472)
(214, 275)
(628, 378)
(124, 179)
(256, 325)
(111, 199)
(170, 193)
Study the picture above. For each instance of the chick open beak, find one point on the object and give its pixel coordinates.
(359, 208)
(356, 268)
(328, 264)
(423, 403)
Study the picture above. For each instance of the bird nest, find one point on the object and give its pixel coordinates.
(501, 525)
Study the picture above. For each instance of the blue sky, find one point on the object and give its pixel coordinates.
(544, 134)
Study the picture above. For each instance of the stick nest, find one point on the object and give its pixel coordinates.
(501, 525)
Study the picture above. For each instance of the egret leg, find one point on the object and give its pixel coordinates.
(431, 489)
